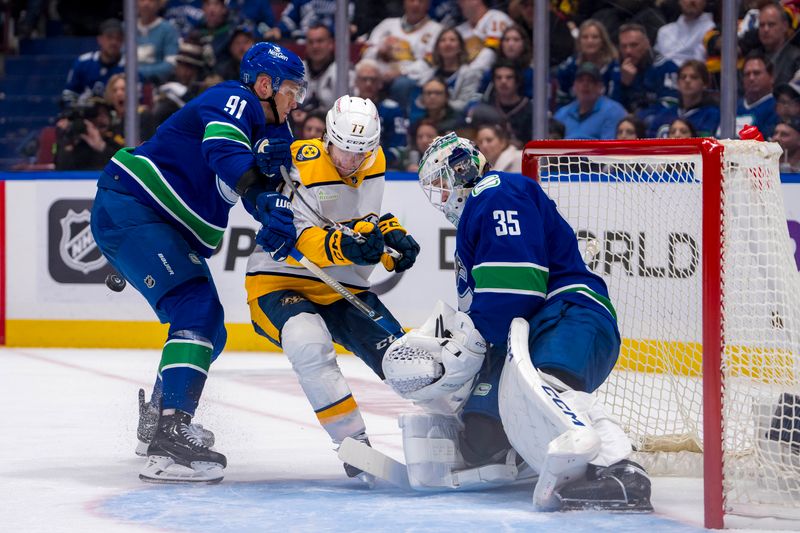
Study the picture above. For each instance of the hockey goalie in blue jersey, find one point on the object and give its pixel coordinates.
(160, 212)
(510, 376)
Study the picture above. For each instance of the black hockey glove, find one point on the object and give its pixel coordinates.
(343, 249)
(396, 237)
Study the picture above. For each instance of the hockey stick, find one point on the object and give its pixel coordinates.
(379, 319)
(371, 461)
(328, 223)
(380, 465)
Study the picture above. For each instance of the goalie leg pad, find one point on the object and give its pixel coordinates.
(433, 459)
(554, 439)
(430, 445)
(308, 345)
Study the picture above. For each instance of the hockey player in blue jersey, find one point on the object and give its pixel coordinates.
(525, 296)
(160, 212)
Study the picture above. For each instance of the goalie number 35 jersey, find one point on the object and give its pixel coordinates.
(515, 253)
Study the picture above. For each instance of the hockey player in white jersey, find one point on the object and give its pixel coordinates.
(535, 335)
(339, 178)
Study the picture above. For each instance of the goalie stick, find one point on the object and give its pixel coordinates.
(371, 461)
(328, 223)
(376, 317)
(380, 465)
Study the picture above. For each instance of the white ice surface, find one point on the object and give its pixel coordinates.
(66, 459)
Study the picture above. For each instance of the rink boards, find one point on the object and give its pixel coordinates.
(54, 273)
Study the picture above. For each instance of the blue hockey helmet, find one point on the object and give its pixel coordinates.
(277, 62)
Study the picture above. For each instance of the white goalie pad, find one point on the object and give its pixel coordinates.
(434, 462)
(553, 438)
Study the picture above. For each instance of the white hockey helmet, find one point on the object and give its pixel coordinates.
(353, 125)
(448, 170)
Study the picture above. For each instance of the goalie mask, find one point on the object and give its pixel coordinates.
(352, 134)
(448, 170)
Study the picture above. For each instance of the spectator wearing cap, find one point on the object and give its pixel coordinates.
(403, 47)
(682, 40)
(787, 134)
(696, 105)
(156, 43)
(242, 38)
(787, 100)
(591, 115)
(190, 66)
(320, 68)
(91, 71)
(757, 105)
(648, 80)
(506, 104)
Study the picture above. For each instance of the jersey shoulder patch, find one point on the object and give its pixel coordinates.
(307, 152)
(487, 182)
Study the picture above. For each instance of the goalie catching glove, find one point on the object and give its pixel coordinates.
(437, 359)
(343, 249)
(396, 237)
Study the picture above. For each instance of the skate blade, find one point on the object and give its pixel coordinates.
(165, 470)
(641, 507)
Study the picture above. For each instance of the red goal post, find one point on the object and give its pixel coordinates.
(643, 212)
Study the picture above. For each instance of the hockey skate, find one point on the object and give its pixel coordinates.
(177, 454)
(148, 420)
(623, 486)
(352, 471)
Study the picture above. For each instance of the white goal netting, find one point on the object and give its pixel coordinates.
(639, 221)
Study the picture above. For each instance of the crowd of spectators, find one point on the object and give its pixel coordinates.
(619, 69)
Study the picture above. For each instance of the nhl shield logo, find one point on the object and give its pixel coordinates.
(76, 247)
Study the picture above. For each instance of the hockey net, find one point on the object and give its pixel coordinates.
(691, 237)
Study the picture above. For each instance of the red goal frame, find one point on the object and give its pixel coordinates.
(711, 153)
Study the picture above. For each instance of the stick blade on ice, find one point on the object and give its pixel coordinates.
(372, 461)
